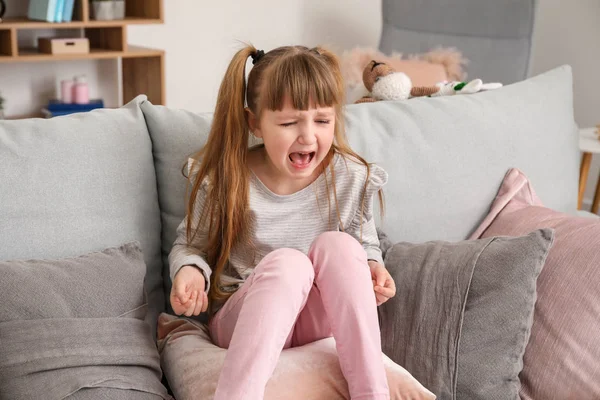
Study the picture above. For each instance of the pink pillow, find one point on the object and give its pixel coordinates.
(562, 358)
(192, 365)
(424, 69)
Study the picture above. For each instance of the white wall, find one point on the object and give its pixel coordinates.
(207, 34)
(568, 33)
(201, 36)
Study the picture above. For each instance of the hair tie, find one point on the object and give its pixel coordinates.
(256, 56)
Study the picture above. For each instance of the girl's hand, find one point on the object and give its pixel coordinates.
(187, 294)
(383, 284)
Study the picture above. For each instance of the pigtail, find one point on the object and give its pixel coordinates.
(223, 165)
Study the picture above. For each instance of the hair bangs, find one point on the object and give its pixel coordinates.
(307, 80)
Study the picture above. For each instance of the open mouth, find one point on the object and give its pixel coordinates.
(300, 159)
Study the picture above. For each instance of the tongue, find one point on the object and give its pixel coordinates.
(300, 159)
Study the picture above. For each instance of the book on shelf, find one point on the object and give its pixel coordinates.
(56, 108)
(68, 11)
(59, 9)
(42, 10)
(51, 10)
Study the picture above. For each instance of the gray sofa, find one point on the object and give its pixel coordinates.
(86, 182)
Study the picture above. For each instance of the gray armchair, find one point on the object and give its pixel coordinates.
(494, 35)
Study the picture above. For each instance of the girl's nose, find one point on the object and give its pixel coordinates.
(307, 135)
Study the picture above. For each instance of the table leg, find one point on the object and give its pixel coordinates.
(586, 161)
(596, 202)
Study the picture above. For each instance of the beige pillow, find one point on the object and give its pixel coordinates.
(192, 363)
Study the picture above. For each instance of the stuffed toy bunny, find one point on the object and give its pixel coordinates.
(384, 83)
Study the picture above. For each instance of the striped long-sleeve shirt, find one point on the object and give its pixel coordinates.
(291, 221)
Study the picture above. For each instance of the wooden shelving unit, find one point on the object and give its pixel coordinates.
(143, 69)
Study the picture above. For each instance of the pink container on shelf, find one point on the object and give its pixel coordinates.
(66, 91)
(81, 93)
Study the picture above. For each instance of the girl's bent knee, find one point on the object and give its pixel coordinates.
(287, 265)
(334, 241)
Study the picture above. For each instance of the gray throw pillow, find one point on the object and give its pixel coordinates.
(463, 311)
(77, 324)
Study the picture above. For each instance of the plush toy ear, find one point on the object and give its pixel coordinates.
(369, 76)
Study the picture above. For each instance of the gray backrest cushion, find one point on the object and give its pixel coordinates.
(494, 35)
(446, 157)
(81, 183)
(176, 135)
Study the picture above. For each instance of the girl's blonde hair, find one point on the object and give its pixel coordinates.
(309, 77)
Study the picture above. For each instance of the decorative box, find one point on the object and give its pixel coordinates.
(64, 45)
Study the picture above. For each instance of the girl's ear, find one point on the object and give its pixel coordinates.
(253, 122)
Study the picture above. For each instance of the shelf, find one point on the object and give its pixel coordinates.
(24, 23)
(120, 22)
(6, 43)
(139, 51)
(142, 69)
(144, 73)
(31, 55)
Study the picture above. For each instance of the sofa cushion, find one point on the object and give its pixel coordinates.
(74, 323)
(176, 135)
(192, 364)
(462, 313)
(562, 357)
(446, 156)
(81, 183)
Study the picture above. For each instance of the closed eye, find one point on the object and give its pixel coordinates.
(323, 121)
(286, 124)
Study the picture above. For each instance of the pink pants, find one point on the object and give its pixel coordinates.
(291, 300)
